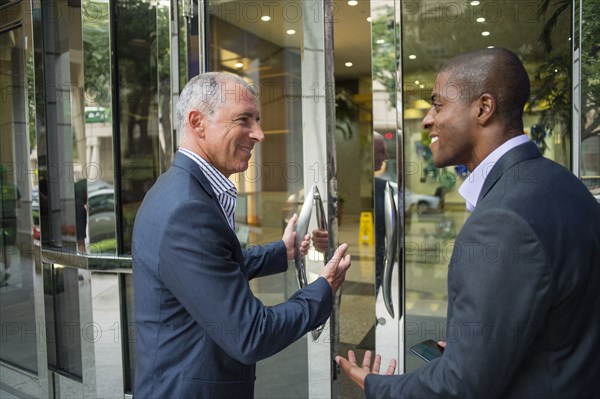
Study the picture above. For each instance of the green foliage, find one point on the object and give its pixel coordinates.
(551, 87)
(345, 112)
(590, 67)
(384, 62)
(96, 45)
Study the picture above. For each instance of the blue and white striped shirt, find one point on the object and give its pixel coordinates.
(223, 187)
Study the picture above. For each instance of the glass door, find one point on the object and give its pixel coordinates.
(311, 61)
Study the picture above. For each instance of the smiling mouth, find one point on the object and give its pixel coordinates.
(247, 150)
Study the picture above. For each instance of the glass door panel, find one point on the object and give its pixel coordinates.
(250, 39)
(19, 334)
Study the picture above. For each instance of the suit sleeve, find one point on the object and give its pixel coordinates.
(264, 260)
(197, 266)
(499, 291)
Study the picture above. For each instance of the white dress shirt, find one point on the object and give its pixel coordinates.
(473, 184)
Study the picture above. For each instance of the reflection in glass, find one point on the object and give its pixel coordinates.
(590, 97)
(61, 137)
(387, 179)
(63, 327)
(96, 202)
(246, 46)
(18, 338)
(143, 90)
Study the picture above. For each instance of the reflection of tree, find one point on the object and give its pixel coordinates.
(551, 89)
(96, 40)
(136, 35)
(384, 61)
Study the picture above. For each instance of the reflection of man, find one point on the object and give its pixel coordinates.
(380, 153)
(200, 329)
(523, 280)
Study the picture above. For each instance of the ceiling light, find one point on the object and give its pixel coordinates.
(474, 3)
(239, 65)
(417, 82)
(348, 64)
(380, 41)
(412, 57)
(490, 46)
(369, 19)
(480, 19)
(290, 32)
(265, 18)
(485, 33)
(352, 3)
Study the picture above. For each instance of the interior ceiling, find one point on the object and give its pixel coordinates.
(433, 31)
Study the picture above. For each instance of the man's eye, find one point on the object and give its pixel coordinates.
(436, 106)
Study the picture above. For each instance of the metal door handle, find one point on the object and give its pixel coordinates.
(391, 223)
(313, 196)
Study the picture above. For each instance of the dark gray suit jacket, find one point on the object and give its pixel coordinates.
(523, 292)
(200, 330)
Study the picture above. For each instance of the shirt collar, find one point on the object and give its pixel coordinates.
(219, 183)
(471, 187)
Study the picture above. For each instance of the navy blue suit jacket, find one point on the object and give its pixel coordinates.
(200, 330)
(523, 292)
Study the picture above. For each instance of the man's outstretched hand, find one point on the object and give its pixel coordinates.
(335, 270)
(358, 374)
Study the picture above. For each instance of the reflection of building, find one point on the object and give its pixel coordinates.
(98, 140)
(100, 81)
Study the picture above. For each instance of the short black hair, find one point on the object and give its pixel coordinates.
(496, 71)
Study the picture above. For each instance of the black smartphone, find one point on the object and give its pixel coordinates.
(427, 350)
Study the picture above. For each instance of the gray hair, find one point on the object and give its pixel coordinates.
(207, 93)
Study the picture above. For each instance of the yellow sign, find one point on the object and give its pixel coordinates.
(365, 231)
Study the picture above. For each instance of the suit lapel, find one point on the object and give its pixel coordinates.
(514, 156)
(184, 162)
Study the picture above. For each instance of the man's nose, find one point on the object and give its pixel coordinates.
(257, 133)
(427, 122)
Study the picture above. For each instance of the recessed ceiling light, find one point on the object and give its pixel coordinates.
(421, 86)
(290, 32)
(348, 64)
(474, 3)
(369, 19)
(380, 41)
(480, 19)
(490, 46)
(417, 82)
(352, 3)
(265, 18)
(239, 65)
(485, 33)
(412, 57)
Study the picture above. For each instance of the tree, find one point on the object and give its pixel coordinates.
(552, 88)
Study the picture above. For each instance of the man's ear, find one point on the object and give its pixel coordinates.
(487, 106)
(196, 120)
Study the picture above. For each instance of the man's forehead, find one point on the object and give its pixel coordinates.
(446, 89)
